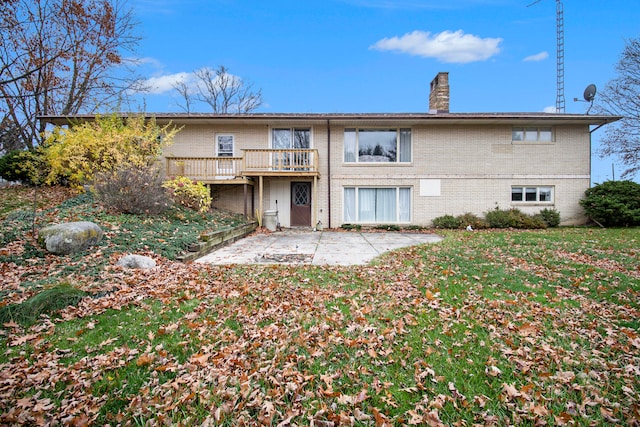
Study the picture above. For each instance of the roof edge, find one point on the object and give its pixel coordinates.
(443, 117)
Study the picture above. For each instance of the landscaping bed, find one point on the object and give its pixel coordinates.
(166, 236)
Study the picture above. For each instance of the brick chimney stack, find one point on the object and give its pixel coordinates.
(439, 94)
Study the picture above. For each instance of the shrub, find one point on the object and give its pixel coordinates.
(388, 227)
(78, 153)
(132, 190)
(27, 167)
(11, 166)
(413, 227)
(550, 217)
(447, 221)
(513, 218)
(499, 218)
(473, 220)
(529, 222)
(613, 203)
(191, 194)
(357, 227)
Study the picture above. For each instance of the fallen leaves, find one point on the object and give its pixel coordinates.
(404, 342)
(20, 340)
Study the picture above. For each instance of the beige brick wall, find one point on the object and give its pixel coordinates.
(200, 140)
(476, 165)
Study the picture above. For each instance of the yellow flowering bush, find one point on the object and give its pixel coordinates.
(191, 194)
(75, 154)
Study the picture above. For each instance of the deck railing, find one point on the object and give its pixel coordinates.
(254, 161)
(284, 160)
(204, 168)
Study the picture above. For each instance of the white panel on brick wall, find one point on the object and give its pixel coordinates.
(430, 187)
(281, 191)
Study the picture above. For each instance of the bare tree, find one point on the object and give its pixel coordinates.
(61, 57)
(10, 136)
(621, 96)
(186, 95)
(226, 93)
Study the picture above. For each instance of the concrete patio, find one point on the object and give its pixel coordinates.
(293, 246)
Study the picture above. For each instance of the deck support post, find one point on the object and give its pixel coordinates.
(245, 201)
(314, 212)
(260, 198)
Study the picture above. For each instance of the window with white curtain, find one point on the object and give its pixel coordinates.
(377, 145)
(377, 204)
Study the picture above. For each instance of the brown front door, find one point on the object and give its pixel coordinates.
(300, 204)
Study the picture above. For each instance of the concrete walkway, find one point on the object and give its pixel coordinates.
(318, 248)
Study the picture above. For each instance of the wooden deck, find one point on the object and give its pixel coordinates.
(241, 170)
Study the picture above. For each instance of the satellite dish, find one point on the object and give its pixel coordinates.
(590, 93)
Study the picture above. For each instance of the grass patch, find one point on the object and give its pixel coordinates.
(46, 302)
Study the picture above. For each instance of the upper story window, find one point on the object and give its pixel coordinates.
(377, 145)
(532, 134)
(532, 194)
(224, 145)
(285, 138)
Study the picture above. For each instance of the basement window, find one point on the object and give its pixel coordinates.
(532, 194)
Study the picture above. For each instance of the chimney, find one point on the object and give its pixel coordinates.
(439, 94)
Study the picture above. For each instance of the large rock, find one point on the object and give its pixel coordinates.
(71, 237)
(136, 261)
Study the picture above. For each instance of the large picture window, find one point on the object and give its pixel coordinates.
(532, 194)
(377, 145)
(377, 205)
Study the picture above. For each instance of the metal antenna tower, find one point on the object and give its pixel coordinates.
(560, 104)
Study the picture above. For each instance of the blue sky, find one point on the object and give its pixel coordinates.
(380, 55)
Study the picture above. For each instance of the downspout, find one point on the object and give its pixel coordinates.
(329, 173)
(591, 131)
(591, 154)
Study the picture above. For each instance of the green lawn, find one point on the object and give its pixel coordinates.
(484, 328)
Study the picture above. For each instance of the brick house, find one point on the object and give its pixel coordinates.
(396, 168)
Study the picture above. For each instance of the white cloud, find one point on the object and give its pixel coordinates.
(162, 84)
(144, 61)
(537, 57)
(447, 46)
(550, 109)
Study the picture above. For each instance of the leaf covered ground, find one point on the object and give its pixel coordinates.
(485, 328)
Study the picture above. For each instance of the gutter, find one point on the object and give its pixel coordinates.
(329, 173)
